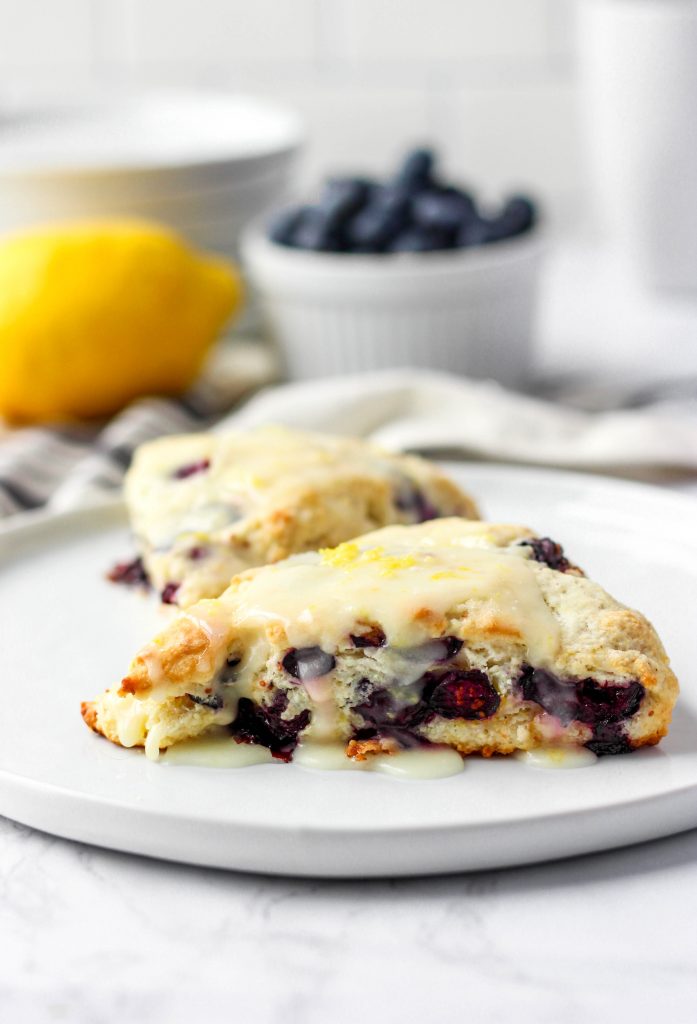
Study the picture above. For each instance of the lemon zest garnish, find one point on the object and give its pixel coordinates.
(392, 564)
(349, 555)
(453, 574)
(340, 556)
(242, 478)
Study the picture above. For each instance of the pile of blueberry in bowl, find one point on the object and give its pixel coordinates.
(411, 272)
(414, 211)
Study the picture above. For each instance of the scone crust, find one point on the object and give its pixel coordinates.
(265, 495)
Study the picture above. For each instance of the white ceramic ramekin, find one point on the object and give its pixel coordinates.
(469, 311)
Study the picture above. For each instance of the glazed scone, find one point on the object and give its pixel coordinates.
(203, 507)
(482, 637)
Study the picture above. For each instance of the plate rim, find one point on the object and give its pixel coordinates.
(19, 521)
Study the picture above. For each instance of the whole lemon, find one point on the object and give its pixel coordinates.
(94, 314)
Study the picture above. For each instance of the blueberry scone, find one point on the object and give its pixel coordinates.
(478, 636)
(203, 507)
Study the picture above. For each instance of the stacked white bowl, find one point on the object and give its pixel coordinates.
(204, 164)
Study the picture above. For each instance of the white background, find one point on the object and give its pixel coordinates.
(492, 82)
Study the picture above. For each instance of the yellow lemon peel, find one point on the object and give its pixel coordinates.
(94, 314)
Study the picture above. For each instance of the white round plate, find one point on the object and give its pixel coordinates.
(68, 633)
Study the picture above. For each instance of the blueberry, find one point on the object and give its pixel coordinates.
(596, 704)
(342, 198)
(518, 215)
(215, 701)
(443, 209)
(455, 694)
(283, 226)
(131, 573)
(265, 724)
(453, 646)
(315, 232)
(549, 553)
(477, 231)
(375, 226)
(459, 694)
(556, 696)
(381, 718)
(609, 739)
(374, 637)
(305, 663)
(169, 593)
(603, 703)
(191, 469)
(411, 499)
(418, 239)
(416, 168)
(378, 709)
(396, 198)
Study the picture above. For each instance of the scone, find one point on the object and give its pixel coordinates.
(203, 507)
(482, 637)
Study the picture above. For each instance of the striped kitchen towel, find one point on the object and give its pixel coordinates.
(68, 466)
(436, 414)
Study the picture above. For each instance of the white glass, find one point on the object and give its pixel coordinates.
(638, 62)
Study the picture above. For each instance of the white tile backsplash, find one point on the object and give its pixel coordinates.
(436, 30)
(491, 81)
(512, 138)
(350, 132)
(39, 34)
(211, 31)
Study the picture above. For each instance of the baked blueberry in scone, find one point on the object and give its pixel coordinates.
(203, 507)
(482, 637)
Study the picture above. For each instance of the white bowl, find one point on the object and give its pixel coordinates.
(179, 158)
(468, 311)
(162, 142)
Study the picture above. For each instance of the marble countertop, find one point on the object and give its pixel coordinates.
(94, 937)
